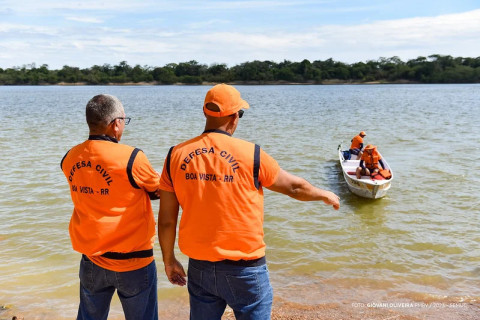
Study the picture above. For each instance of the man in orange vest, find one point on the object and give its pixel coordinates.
(112, 224)
(370, 162)
(217, 180)
(357, 144)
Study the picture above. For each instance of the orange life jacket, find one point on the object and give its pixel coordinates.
(109, 185)
(371, 160)
(357, 142)
(218, 181)
(387, 174)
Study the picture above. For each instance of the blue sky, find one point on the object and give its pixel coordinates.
(155, 33)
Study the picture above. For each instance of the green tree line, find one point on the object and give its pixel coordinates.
(432, 69)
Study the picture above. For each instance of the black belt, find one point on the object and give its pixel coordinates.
(239, 263)
(128, 255)
(246, 263)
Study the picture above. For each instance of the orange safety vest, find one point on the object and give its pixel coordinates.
(371, 161)
(218, 181)
(356, 142)
(110, 185)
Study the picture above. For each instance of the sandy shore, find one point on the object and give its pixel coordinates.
(329, 299)
(286, 310)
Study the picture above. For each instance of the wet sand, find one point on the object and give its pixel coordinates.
(320, 298)
(287, 310)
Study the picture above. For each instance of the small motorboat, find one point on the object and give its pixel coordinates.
(367, 186)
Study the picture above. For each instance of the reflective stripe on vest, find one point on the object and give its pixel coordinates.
(169, 156)
(130, 166)
(256, 166)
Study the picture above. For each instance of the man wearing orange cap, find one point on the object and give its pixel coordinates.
(357, 144)
(370, 162)
(217, 180)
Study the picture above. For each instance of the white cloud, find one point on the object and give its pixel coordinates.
(242, 5)
(453, 34)
(446, 34)
(160, 6)
(40, 7)
(85, 19)
(15, 28)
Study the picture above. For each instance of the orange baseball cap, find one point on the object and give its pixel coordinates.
(370, 146)
(363, 133)
(227, 98)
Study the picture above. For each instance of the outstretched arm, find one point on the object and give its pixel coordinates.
(167, 231)
(300, 189)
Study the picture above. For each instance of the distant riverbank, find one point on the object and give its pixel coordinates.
(250, 83)
(432, 69)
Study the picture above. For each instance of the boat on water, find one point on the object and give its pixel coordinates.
(368, 187)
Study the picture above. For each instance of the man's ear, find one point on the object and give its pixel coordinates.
(233, 121)
(112, 128)
(116, 127)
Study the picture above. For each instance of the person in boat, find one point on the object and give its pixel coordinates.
(217, 180)
(112, 224)
(357, 144)
(370, 162)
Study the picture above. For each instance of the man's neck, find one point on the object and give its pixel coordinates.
(220, 128)
(103, 133)
(102, 137)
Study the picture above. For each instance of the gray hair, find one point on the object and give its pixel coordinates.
(103, 109)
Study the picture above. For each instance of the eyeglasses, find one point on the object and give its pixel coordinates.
(240, 113)
(125, 119)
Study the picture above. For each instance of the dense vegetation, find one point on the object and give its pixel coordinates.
(434, 69)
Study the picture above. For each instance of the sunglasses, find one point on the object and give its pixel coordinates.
(240, 113)
(126, 119)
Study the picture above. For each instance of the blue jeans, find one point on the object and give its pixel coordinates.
(136, 289)
(355, 151)
(213, 285)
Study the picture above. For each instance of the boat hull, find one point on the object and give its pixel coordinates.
(371, 191)
(364, 187)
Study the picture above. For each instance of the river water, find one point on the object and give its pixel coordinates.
(420, 243)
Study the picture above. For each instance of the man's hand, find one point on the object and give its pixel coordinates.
(332, 199)
(176, 274)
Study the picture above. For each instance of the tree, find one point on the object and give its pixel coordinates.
(432, 69)
(70, 74)
(165, 75)
(191, 68)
